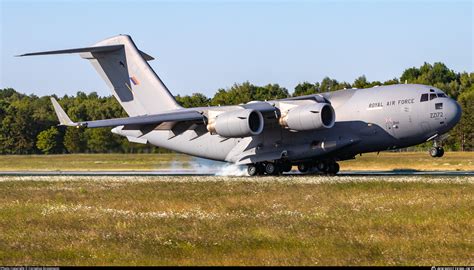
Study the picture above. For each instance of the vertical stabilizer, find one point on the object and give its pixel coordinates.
(125, 70)
(133, 82)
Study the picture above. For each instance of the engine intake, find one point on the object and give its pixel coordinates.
(309, 117)
(237, 123)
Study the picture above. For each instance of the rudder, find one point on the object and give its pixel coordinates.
(133, 82)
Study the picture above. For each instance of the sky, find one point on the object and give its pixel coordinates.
(201, 46)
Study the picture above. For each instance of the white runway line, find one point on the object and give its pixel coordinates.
(225, 171)
(300, 179)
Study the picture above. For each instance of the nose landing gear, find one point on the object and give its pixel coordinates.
(436, 151)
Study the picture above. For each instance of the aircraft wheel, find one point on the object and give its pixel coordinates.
(440, 151)
(270, 168)
(434, 152)
(303, 167)
(252, 170)
(322, 166)
(260, 169)
(333, 168)
(286, 167)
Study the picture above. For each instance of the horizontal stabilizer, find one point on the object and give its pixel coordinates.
(96, 49)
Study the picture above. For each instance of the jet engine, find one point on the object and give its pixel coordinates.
(308, 117)
(236, 123)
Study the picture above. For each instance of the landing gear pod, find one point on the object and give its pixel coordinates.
(309, 117)
(237, 123)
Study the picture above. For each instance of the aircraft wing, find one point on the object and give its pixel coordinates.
(178, 116)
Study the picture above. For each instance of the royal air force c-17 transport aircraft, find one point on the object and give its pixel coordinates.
(312, 132)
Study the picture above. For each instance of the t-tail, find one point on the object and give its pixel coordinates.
(127, 73)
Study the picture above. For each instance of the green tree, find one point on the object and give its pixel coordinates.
(48, 141)
(270, 92)
(465, 129)
(74, 140)
(328, 84)
(392, 81)
(195, 100)
(410, 75)
(237, 94)
(100, 140)
(361, 82)
(18, 130)
(306, 88)
(437, 75)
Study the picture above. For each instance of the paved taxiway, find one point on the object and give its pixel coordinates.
(185, 172)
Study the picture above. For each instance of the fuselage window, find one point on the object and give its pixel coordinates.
(424, 97)
(441, 95)
(432, 96)
(439, 106)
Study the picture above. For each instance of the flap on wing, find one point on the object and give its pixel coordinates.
(145, 119)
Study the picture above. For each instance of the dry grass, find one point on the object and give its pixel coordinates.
(126, 162)
(90, 162)
(411, 220)
(421, 161)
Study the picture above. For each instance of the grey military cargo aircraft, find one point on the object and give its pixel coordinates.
(313, 132)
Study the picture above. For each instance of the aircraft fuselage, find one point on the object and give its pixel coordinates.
(367, 120)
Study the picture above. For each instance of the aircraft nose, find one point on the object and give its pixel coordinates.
(453, 113)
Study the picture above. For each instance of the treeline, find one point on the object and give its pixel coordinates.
(28, 124)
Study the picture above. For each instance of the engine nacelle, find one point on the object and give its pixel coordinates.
(237, 123)
(309, 117)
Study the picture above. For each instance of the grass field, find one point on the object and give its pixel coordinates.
(384, 161)
(306, 220)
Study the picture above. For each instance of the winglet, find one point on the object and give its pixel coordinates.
(64, 120)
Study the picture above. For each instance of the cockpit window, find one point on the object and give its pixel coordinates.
(424, 97)
(441, 95)
(432, 96)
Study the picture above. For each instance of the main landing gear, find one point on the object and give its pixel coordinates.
(324, 166)
(268, 168)
(277, 168)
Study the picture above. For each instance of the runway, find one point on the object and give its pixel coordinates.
(191, 172)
